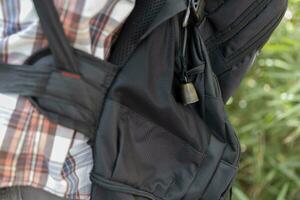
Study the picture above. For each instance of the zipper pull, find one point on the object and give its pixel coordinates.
(188, 93)
(187, 89)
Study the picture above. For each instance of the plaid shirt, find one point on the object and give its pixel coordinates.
(33, 150)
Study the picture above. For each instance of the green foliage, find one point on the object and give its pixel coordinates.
(266, 114)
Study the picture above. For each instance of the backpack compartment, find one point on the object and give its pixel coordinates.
(145, 158)
(219, 167)
(147, 142)
(234, 31)
(248, 32)
(150, 145)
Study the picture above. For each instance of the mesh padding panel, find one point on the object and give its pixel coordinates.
(136, 25)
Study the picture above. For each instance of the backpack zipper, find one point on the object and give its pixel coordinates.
(237, 25)
(255, 42)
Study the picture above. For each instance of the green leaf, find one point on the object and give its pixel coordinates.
(239, 194)
(283, 192)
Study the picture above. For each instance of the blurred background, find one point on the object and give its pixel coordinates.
(266, 114)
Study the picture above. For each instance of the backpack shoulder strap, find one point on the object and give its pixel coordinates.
(53, 29)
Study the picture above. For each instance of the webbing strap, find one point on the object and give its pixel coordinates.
(26, 80)
(53, 29)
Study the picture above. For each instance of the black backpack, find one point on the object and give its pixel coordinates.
(155, 110)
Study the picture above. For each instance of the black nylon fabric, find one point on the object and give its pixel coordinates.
(78, 103)
(148, 145)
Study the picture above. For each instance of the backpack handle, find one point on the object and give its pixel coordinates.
(54, 32)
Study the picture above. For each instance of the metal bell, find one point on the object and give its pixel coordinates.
(188, 93)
